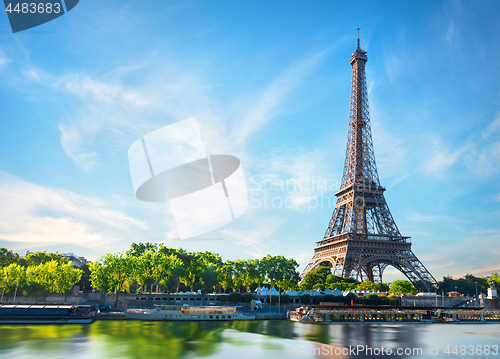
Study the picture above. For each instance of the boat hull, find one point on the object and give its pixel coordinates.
(178, 315)
(46, 320)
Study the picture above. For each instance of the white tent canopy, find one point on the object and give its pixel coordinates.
(263, 291)
(316, 292)
(337, 292)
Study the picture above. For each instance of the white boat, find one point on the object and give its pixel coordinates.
(186, 313)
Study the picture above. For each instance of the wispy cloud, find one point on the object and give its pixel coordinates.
(256, 240)
(99, 91)
(32, 213)
(483, 159)
(108, 114)
(294, 176)
(417, 217)
(391, 152)
(4, 60)
(493, 128)
(452, 33)
(265, 108)
(441, 157)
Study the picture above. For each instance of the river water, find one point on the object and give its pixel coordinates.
(248, 339)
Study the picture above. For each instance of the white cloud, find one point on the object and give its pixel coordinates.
(109, 114)
(35, 214)
(259, 112)
(417, 217)
(440, 157)
(4, 60)
(492, 128)
(257, 239)
(451, 33)
(390, 151)
(100, 91)
(486, 161)
(71, 142)
(297, 176)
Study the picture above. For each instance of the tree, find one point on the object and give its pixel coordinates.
(381, 287)
(100, 276)
(402, 287)
(33, 284)
(7, 257)
(192, 270)
(372, 299)
(137, 250)
(209, 276)
(341, 283)
(279, 270)
(34, 259)
(465, 285)
(226, 272)
(144, 269)
(65, 276)
(373, 287)
(168, 267)
(495, 278)
(351, 297)
(119, 268)
(291, 277)
(366, 286)
(13, 275)
(51, 277)
(202, 267)
(246, 272)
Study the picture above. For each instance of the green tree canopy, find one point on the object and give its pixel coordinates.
(402, 287)
(167, 268)
(246, 272)
(226, 273)
(7, 257)
(11, 275)
(465, 285)
(279, 270)
(314, 277)
(373, 287)
(100, 276)
(34, 259)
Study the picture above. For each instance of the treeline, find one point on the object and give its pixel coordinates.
(468, 285)
(145, 267)
(36, 274)
(149, 267)
(322, 278)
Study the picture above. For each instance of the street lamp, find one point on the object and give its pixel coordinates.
(476, 290)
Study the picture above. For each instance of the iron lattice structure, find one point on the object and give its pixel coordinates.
(362, 238)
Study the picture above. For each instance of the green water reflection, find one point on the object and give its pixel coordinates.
(239, 339)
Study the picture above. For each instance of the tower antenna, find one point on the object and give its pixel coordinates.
(358, 36)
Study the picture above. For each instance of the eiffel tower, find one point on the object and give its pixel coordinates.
(362, 238)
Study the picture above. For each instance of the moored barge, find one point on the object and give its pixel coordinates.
(395, 315)
(45, 314)
(188, 313)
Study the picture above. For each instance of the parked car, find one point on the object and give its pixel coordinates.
(104, 309)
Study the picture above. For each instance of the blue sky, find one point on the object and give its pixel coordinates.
(268, 82)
